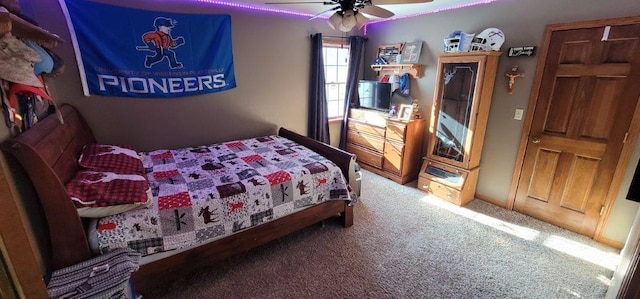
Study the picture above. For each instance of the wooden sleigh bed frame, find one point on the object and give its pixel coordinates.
(49, 152)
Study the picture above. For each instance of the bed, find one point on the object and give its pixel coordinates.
(49, 153)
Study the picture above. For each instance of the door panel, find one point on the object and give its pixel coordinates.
(588, 93)
(575, 52)
(544, 169)
(600, 114)
(581, 177)
(559, 111)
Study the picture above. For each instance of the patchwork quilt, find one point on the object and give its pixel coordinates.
(208, 192)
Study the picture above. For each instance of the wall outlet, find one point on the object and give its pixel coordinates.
(518, 114)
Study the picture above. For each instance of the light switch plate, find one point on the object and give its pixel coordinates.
(518, 114)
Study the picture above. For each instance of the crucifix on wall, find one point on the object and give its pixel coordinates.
(512, 75)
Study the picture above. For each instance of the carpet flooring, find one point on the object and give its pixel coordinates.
(405, 244)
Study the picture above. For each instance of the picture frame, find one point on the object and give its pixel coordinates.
(411, 52)
(389, 52)
(405, 112)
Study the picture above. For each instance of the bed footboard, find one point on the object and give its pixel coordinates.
(345, 160)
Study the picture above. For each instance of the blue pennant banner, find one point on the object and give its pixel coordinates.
(125, 52)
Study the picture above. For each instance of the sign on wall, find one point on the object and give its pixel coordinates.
(522, 51)
(125, 52)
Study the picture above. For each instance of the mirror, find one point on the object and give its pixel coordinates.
(458, 83)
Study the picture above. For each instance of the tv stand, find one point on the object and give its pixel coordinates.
(386, 146)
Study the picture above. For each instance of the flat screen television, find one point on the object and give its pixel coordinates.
(634, 188)
(374, 95)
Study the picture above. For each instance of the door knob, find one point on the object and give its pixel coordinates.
(535, 139)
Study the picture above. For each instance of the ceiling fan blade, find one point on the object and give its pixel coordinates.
(390, 2)
(376, 11)
(306, 2)
(328, 10)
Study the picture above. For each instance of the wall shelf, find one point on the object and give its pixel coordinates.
(414, 70)
(23, 29)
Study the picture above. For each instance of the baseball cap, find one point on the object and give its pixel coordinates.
(46, 62)
(17, 60)
(404, 84)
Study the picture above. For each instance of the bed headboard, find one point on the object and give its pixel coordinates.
(49, 152)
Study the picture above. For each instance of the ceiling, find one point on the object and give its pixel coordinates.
(400, 10)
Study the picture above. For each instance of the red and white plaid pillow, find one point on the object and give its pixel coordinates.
(106, 157)
(99, 194)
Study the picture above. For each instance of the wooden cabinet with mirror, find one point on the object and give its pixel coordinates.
(458, 122)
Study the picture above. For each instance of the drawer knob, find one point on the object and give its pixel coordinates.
(449, 195)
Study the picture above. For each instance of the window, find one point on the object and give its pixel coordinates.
(336, 66)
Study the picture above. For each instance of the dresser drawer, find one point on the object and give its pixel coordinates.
(440, 190)
(444, 173)
(366, 128)
(393, 154)
(396, 131)
(365, 140)
(365, 155)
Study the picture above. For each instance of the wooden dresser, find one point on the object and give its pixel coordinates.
(388, 147)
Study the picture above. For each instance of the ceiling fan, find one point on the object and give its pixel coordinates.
(349, 13)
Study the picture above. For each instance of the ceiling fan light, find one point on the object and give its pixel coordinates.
(344, 29)
(348, 19)
(361, 20)
(335, 21)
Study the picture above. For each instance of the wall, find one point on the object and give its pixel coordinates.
(522, 22)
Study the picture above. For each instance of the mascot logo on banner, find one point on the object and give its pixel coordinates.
(161, 43)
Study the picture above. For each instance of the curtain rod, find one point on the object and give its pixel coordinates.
(336, 36)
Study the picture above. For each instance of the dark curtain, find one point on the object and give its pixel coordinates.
(356, 50)
(318, 127)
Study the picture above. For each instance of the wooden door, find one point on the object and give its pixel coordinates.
(586, 100)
